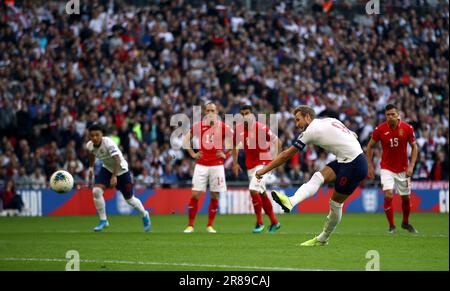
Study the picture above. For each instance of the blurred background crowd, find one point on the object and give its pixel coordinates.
(131, 65)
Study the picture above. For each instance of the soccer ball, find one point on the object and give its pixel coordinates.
(61, 181)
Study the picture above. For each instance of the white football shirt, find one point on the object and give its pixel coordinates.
(333, 136)
(107, 149)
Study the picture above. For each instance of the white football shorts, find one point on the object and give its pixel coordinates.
(255, 184)
(214, 175)
(389, 180)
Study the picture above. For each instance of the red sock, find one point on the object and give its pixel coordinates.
(193, 207)
(268, 209)
(406, 207)
(213, 205)
(257, 206)
(389, 210)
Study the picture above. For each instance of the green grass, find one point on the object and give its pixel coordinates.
(42, 243)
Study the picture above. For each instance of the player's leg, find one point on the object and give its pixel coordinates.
(256, 201)
(192, 210)
(199, 182)
(406, 208)
(259, 187)
(99, 203)
(101, 182)
(125, 186)
(403, 186)
(257, 208)
(387, 184)
(212, 211)
(333, 219)
(348, 177)
(268, 209)
(326, 175)
(389, 209)
(217, 184)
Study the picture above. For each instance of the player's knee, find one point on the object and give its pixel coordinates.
(318, 177)
(254, 192)
(327, 174)
(405, 197)
(128, 195)
(126, 190)
(389, 194)
(196, 194)
(98, 192)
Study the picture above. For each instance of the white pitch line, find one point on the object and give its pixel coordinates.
(161, 264)
(405, 234)
(432, 235)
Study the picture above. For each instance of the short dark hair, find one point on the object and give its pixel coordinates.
(96, 126)
(246, 107)
(389, 107)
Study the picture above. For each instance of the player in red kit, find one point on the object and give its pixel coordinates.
(212, 135)
(394, 136)
(256, 138)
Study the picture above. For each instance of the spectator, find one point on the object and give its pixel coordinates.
(73, 165)
(3, 177)
(439, 171)
(72, 168)
(10, 198)
(37, 179)
(421, 171)
(321, 162)
(144, 179)
(21, 179)
(136, 72)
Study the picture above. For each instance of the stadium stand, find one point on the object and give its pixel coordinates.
(131, 66)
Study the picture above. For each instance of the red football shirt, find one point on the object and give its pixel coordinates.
(212, 140)
(393, 143)
(256, 152)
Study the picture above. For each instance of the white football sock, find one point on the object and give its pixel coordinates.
(99, 202)
(137, 204)
(333, 219)
(308, 189)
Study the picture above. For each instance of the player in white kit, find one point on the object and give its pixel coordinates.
(347, 171)
(114, 173)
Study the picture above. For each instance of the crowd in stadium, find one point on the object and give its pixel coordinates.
(132, 68)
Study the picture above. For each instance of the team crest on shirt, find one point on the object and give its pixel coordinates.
(400, 132)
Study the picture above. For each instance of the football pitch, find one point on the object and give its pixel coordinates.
(42, 243)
